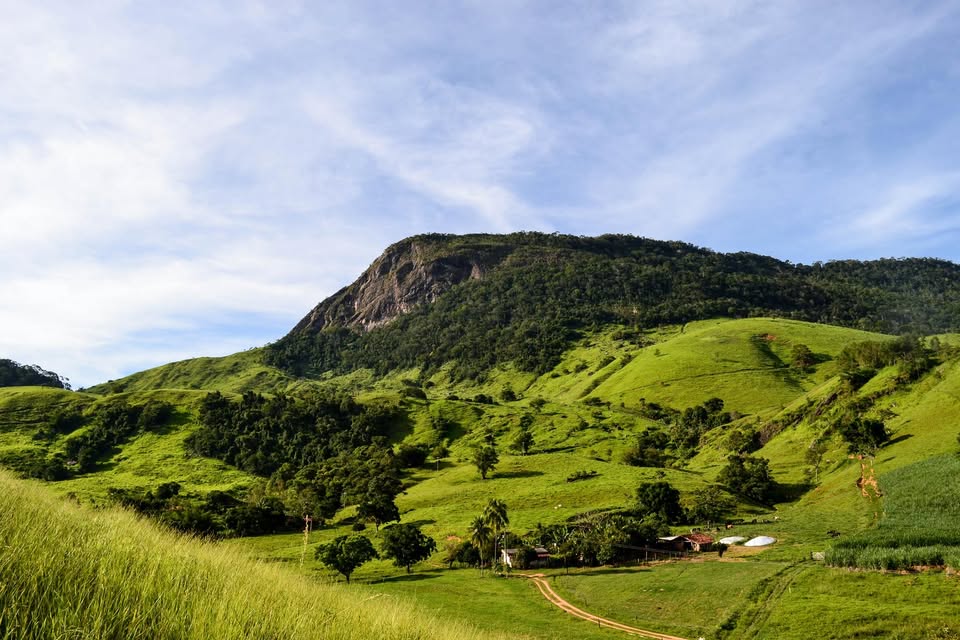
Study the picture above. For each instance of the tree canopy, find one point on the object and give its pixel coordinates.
(345, 553)
(539, 291)
(407, 545)
(661, 500)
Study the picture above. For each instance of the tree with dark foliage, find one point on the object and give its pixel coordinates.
(346, 553)
(407, 545)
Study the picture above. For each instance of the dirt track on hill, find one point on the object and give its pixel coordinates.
(551, 595)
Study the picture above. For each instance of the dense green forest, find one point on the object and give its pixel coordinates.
(14, 374)
(320, 452)
(545, 290)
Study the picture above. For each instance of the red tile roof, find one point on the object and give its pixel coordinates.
(699, 538)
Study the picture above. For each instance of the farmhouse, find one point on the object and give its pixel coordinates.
(526, 558)
(689, 542)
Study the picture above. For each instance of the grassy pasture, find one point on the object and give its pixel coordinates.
(729, 359)
(713, 358)
(236, 373)
(689, 599)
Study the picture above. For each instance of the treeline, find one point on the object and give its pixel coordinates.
(849, 411)
(218, 513)
(860, 361)
(677, 435)
(259, 434)
(14, 374)
(593, 538)
(317, 453)
(549, 288)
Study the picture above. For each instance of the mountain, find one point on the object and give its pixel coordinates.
(481, 300)
(408, 274)
(594, 366)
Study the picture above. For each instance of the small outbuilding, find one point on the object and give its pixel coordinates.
(699, 542)
(689, 542)
(525, 558)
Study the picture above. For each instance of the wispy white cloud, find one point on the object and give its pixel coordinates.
(907, 211)
(183, 179)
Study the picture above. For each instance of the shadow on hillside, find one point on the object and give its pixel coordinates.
(400, 428)
(105, 465)
(790, 491)
(554, 450)
(420, 523)
(411, 577)
(611, 571)
(177, 421)
(454, 431)
(516, 474)
(898, 439)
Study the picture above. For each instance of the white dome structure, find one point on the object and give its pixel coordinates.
(732, 540)
(759, 541)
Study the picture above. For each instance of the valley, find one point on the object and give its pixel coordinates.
(839, 442)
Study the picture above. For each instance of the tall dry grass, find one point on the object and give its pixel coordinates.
(68, 572)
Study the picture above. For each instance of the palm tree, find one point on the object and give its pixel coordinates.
(480, 534)
(495, 515)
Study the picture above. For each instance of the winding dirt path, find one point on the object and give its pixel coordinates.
(540, 580)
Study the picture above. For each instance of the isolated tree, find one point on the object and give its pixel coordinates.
(814, 457)
(407, 545)
(346, 553)
(439, 452)
(485, 458)
(523, 442)
(748, 476)
(745, 440)
(863, 435)
(659, 499)
(801, 357)
(480, 535)
(649, 449)
(709, 505)
(410, 456)
(463, 551)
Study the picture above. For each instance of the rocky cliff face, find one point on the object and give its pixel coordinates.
(409, 273)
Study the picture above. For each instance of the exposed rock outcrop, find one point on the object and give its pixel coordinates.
(409, 273)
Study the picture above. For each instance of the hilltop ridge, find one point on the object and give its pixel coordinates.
(481, 300)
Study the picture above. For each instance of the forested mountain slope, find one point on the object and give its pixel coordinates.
(483, 300)
(563, 377)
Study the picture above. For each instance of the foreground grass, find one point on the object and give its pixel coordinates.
(67, 572)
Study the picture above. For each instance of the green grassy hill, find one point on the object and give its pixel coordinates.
(585, 414)
(235, 373)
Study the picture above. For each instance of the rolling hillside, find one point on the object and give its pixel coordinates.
(620, 383)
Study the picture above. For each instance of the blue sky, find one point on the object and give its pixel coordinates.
(185, 179)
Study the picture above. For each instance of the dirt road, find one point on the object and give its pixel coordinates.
(551, 595)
